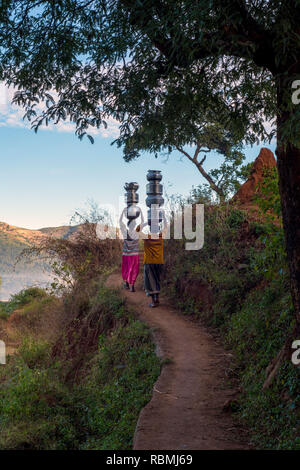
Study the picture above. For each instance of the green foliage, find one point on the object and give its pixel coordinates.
(41, 410)
(118, 387)
(201, 194)
(63, 280)
(26, 296)
(203, 136)
(272, 261)
(4, 311)
(243, 266)
(149, 66)
(230, 174)
(111, 303)
(22, 299)
(222, 264)
(244, 171)
(269, 198)
(256, 333)
(273, 414)
(259, 329)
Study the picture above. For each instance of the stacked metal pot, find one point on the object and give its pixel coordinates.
(154, 190)
(131, 200)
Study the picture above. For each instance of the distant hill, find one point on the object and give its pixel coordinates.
(15, 275)
(66, 231)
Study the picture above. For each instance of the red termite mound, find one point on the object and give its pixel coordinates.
(248, 190)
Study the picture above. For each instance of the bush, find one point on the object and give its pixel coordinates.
(118, 387)
(243, 265)
(40, 408)
(223, 264)
(22, 299)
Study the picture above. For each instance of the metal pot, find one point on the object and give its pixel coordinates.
(154, 188)
(154, 199)
(154, 192)
(131, 186)
(131, 197)
(154, 175)
(133, 212)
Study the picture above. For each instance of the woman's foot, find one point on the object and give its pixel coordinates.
(132, 289)
(126, 285)
(155, 301)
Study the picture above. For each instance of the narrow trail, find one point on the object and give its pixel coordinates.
(186, 409)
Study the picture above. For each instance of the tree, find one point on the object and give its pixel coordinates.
(203, 134)
(225, 179)
(136, 58)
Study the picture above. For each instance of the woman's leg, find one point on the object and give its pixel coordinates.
(133, 270)
(152, 282)
(124, 271)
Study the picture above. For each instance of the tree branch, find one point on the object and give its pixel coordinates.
(203, 160)
(203, 172)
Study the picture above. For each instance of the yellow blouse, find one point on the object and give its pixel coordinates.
(153, 250)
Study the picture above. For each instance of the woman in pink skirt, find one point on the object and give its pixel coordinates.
(130, 256)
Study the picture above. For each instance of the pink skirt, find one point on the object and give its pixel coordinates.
(130, 268)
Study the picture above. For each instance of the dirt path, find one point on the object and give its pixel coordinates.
(186, 409)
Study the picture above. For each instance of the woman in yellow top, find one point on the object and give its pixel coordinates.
(153, 262)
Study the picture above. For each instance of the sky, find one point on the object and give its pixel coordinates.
(46, 176)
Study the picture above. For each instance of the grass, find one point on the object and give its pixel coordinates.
(256, 333)
(4, 313)
(118, 387)
(40, 408)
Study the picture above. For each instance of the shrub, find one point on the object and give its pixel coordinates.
(41, 408)
(24, 298)
(243, 264)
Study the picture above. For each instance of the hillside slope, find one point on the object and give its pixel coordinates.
(238, 284)
(18, 274)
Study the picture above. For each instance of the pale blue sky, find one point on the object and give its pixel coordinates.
(46, 176)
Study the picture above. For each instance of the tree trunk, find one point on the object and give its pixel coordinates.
(288, 162)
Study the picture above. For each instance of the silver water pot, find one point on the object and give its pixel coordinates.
(131, 199)
(131, 196)
(133, 212)
(154, 199)
(154, 189)
(131, 186)
(154, 175)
